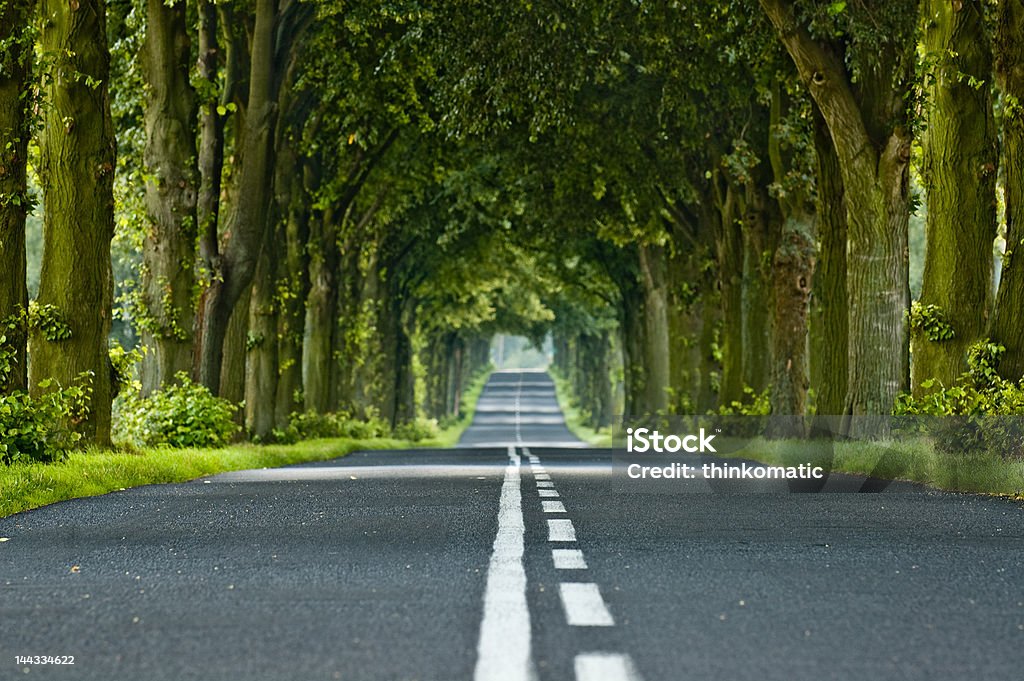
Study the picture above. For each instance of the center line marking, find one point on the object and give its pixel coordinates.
(584, 606)
(503, 652)
(553, 506)
(542, 476)
(547, 493)
(568, 559)
(545, 483)
(561, 530)
(605, 667)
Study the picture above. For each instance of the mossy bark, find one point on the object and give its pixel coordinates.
(867, 120)
(1007, 325)
(656, 341)
(15, 79)
(77, 149)
(961, 155)
(729, 246)
(292, 200)
(261, 346)
(169, 247)
(321, 313)
(829, 311)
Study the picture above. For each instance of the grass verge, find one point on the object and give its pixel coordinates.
(575, 420)
(92, 472)
(909, 460)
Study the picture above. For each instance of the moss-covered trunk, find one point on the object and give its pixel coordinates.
(261, 363)
(294, 292)
(656, 342)
(960, 178)
(321, 314)
(829, 311)
(792, 271)
(729, 246)
(867, 120)
(15, 78)
(247, 222)
(169, 247)
(77, 172)
(1008, 320)
(760, 231)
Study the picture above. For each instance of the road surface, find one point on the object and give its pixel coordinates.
(509, 558)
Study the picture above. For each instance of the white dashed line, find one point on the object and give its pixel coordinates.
(547, 493)
(545, 483)
(568, 559)
(584, 606)
(553, 506)
(561, 530)
(542, 476)
(605, 667)
(504, 647)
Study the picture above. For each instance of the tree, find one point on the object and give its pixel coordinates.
(859, 71)
(172, 181)
(1007, 325)
(960, 160)
(15, 132)
(77, 172)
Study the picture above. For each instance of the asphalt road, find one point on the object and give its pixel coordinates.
(512, 557)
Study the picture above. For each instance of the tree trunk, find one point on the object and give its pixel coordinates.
(792, 270)
(168, 250)
(730, 283)
(867, 122)
(829, 311)
(77, 172)
(758, 242)
(15, 131)
(1008, 321)
(293, 305)
(321, 314)
(656, 355)
(247, 223)
(960, 178)
(632, 331)
(261, 348)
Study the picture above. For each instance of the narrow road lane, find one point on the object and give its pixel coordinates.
(510, 557)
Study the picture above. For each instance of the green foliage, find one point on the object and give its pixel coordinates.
(931, 321)
(184, 414)
(982, 413)
(38, 429)
(417, 430)
(124, 362)
(753, 404)
(48, 320)
(313, 426)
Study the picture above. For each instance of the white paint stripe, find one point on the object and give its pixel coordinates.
(538, 469)
(547, 493)
(605, 667)
(584, 606)
(542, 476)
(561, 530)
(568, 559)
(545, 483)
(553, 506)
(503, 652)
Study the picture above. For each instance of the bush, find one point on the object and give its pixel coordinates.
(420, 429)
(982, 412)
(38, 429)
(311, 426)
(185, 414)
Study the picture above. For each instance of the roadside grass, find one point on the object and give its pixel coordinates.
(914, 460)
(91, 472)
(574, 418)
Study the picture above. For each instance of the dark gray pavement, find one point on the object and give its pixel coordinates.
(394, 565)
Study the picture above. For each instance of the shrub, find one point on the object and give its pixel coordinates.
(311, 425)
(419, 429)
(982, 412)
(185, 414)
(37, 429)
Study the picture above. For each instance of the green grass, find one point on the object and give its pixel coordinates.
(912, 461)
(24, 486)
(575, 419)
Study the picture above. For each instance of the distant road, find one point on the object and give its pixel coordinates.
(510, 558)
